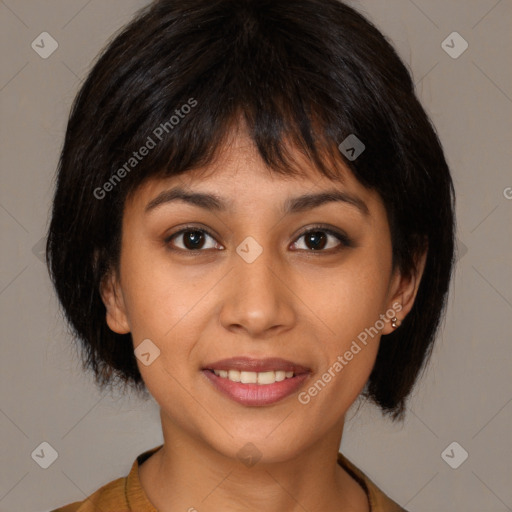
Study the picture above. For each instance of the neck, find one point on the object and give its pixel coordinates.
(187, 474)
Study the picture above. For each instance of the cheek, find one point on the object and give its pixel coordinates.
(350, 304)
(349, 299)
(158, 297)
(349, 357)
(164, 305)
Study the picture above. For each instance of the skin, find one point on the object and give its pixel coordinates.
(296, 303)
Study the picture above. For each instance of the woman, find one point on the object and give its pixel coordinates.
(254, 223)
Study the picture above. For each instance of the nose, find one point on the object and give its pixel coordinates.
(259, 298)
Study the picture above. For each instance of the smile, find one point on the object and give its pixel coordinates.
(261, 378)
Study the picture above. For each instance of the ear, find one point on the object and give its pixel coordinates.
(404, 289)
(112, 297)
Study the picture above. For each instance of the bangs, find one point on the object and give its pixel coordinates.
(181, 93)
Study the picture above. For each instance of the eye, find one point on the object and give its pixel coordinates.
(192, 239)
(316, 239)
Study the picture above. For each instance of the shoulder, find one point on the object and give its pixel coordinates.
(109, 498)
(121, 495)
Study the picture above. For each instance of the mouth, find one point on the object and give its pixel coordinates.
(256, 382)
(252, 365)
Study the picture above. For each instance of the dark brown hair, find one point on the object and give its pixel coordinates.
(311, 72)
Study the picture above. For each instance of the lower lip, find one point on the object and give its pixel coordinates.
(256, 394)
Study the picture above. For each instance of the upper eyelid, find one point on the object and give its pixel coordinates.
(341, 237)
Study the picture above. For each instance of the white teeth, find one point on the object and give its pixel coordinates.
(248, 377)
(233, 375)
(266, 377)
(280, 375)
(254, 377)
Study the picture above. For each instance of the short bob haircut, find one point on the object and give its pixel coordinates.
(178, 79)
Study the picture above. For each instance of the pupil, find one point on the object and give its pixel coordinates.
(193, 239)
(313, 238)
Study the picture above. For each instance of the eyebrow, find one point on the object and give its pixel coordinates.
(291, 205)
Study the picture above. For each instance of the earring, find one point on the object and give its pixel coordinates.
(395, 322)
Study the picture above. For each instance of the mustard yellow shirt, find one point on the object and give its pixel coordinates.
(127, 495)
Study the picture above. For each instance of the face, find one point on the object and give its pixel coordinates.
(276, 284)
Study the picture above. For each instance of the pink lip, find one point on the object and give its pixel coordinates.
(248, 364)
(255, 394)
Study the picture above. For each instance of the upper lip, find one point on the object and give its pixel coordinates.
(247, 364)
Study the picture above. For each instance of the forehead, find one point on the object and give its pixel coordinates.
(239, 175)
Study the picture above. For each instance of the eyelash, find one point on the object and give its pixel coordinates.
(344, 239)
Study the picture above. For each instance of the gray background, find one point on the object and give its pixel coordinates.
(464, 396)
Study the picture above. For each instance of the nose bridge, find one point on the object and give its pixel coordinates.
(255, 266)
(258, 299)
